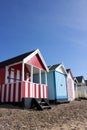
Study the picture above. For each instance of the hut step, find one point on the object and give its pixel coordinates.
(40, 104)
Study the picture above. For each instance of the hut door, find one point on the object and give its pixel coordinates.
(61, 91)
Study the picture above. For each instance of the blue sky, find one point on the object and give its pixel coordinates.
(57, 27)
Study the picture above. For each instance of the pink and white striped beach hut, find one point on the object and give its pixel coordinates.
(70, 85)
(24, 76)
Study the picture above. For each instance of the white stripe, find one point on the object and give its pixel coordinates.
(26, 89)
(7, 89)
(45, 91)
(3, 88)
(12, 88)
(17, 85)
(37, 86)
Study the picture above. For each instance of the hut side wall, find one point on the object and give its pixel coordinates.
(51, 86)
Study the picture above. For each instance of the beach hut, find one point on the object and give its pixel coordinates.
(23, 78)
(81, 87)
(75, 88)
(70, 85)
(57, 84)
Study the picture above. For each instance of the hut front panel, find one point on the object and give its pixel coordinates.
(33, 90)
(10, 92)
(61, 86)
(14, 92)
(51, 85)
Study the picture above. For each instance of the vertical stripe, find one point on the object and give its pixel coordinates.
(37, 90)
(2, 99)
(11, 96)
(19, 92)
(5, 93)
(7, 90)
(31, 95)
(16, 91)
(23, 89)
(28, 90)
(44, 91)
(33, 90)
(9, 93)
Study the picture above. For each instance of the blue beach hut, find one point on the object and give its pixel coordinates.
(57, 83)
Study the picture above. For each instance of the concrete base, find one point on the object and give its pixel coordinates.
(27, 103)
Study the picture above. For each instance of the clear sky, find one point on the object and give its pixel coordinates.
(57, 27)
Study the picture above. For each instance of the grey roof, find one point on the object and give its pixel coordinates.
(79, 78)
(53, 67)
(15, 59)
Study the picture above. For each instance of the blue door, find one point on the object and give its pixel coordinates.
(61, 87)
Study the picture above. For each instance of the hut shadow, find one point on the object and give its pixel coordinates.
(12, 105)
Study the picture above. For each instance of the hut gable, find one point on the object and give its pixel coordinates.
(70, 74)
(81, 81)
(36, 60)
(58, 67)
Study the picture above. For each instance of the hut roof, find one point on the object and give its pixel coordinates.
(79, 78)
(53, 67)
(15, 59)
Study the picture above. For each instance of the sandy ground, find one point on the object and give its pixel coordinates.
(71, 116)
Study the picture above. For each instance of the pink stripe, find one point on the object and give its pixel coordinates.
(14, 93)
(38, 91)
(28, 90)
(23, 89)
